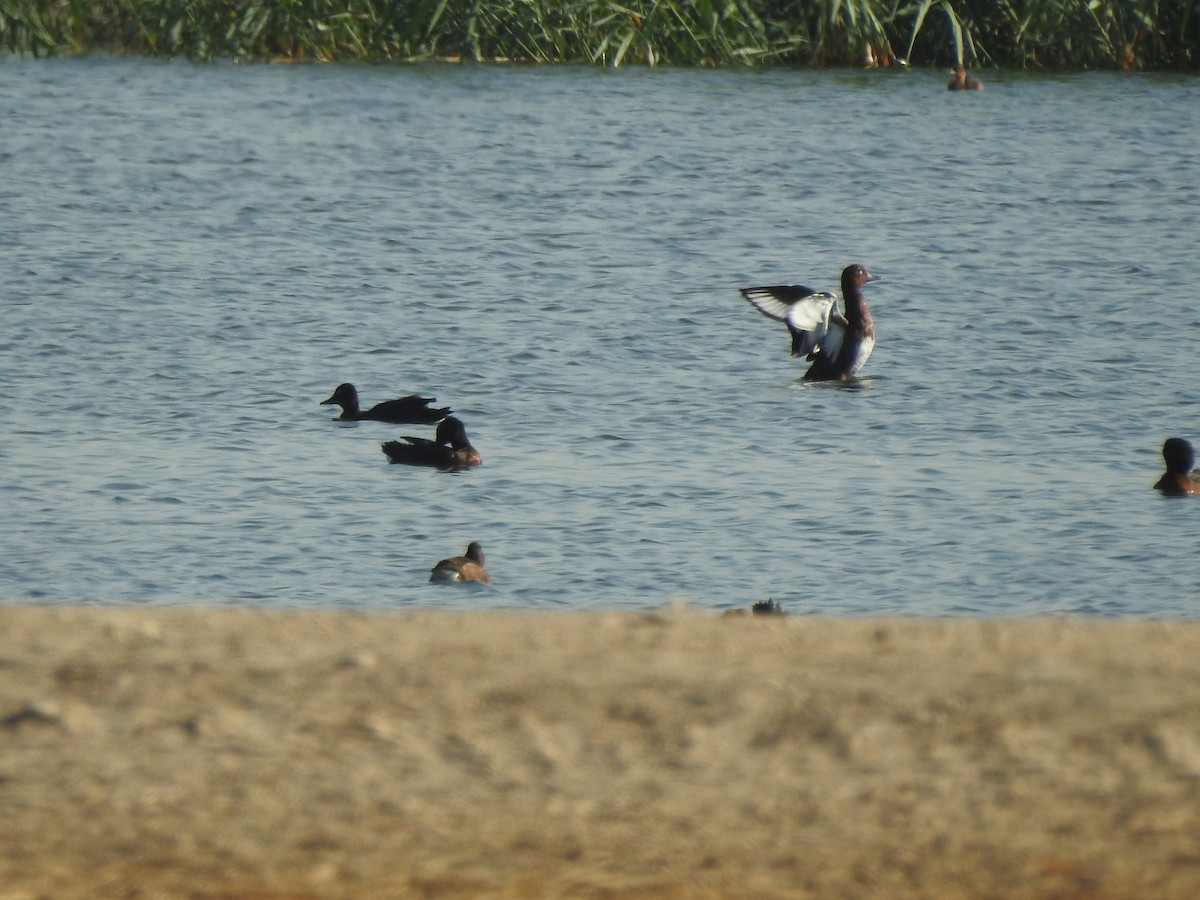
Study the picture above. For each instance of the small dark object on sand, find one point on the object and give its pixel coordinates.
(767, 608)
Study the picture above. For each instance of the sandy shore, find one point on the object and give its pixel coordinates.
(231, 754)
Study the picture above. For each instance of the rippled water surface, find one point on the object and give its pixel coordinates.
(194, 256)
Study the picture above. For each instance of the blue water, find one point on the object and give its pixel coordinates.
(195, 256)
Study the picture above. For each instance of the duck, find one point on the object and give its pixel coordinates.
(961, 80)
(761, 608)
(449, 450)
(837, 345)
(468, 567)
(1177, 480)
(405, 410)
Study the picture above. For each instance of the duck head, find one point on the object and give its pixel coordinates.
(854, 277)
(1179, 456)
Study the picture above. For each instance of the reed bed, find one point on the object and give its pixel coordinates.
(1070, 34)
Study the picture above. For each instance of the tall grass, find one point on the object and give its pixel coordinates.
(1015, 33)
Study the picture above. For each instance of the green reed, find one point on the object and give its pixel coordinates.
(1012, 33)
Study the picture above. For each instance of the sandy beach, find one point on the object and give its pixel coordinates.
(218, 753)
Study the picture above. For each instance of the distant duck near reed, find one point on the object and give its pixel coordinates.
(962, 80)
(410, 410)
(1177, 480)
(449, 450)
(468, 567)
(837, 345)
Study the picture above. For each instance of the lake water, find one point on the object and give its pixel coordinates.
(194, 256)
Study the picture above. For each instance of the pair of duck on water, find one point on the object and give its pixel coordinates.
(839, 345)
(450, 448)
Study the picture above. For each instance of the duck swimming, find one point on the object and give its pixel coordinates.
(449, 450)
(1177, 480)
(961, 80)
(468, 567)
(837, 345)
(406, 410)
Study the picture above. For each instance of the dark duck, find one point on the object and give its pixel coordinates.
(836, 344)
(410, 410)
(468, 567)
(450, 448)
(1177, 481)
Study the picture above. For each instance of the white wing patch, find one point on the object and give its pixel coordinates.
(812, 313)
(812, 317)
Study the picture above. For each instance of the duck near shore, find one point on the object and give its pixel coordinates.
(962, 80)
(468, 567)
